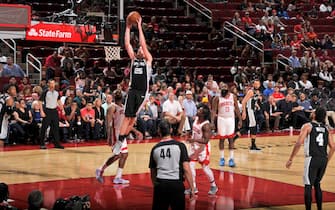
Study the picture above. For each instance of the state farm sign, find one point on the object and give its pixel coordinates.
(50, 34)
(60, 33)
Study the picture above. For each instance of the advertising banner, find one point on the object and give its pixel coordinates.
(61, 32)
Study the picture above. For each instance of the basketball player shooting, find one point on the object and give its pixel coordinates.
(140, 73)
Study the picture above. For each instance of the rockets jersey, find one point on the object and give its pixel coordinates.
(197, 129)
(118, 116)
(226, 106)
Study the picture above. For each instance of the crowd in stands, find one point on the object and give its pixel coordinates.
(309, 78)
(287, 96)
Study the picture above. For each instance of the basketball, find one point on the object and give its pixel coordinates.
(133, 17)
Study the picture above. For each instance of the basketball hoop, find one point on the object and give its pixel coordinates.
(112, 53)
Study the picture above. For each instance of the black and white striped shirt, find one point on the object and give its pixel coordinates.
(50, 99)
(168, 158)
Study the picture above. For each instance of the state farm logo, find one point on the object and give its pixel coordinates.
(49, 33)
(32, 32)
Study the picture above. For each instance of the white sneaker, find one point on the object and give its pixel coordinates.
(131, 136)
(120, 181)
(213, 190)
(188, 191)
(117, 147)
(98, 176)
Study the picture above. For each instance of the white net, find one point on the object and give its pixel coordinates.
(112, 53)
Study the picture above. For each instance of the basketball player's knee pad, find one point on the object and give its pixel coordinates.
(253, 130)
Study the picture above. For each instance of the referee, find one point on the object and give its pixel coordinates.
(169, 163)
(315, 137)
(51, 100)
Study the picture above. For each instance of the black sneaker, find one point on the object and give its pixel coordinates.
(254, 147)
(59, 146)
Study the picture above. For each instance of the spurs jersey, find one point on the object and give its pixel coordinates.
(316, 156)
(140, 75)
(252, 101)
(203, 156)
(251, 106)
(226, 106)
(317, 141)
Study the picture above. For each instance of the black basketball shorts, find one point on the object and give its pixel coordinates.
(134, 101)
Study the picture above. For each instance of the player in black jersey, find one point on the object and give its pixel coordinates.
(316, 138)
(248, 109)
(140, 73)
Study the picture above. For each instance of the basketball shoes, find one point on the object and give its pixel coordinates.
(222, 162)
(120, 181)
(213, 190)
(98, 176)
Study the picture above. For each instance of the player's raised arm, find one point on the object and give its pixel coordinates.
(143, 43)
(128, 46)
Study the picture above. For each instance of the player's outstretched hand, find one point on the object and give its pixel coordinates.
(139, 22)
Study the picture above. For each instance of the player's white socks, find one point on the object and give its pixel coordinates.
(119, 173)
(192, 167)
(222, 153)
(231, 152)
(209, 174)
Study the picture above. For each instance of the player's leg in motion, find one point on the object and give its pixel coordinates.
(122, 157)
(204, 157)
(213, 189)
(122, 161)
(192, 167)
(100, 171)
(128, 121)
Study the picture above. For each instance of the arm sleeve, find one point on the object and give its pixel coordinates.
(183, 153)
(42, 98)
(152, 163)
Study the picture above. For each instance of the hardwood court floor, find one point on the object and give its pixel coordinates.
(260, 180)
